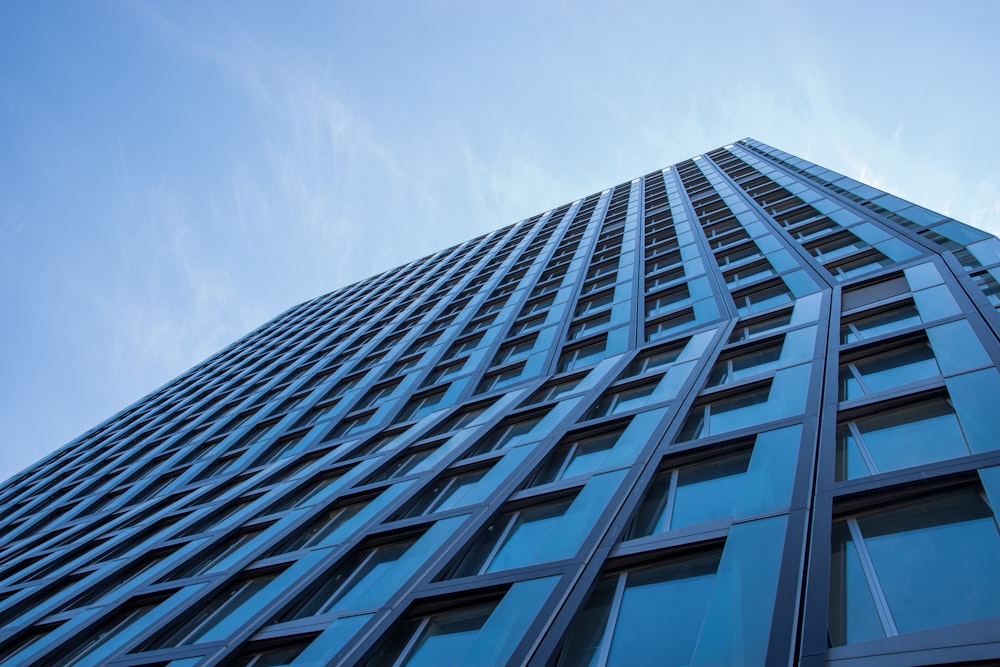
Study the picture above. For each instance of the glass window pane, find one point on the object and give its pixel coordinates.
(587, 633)
(850, 463)
(447, 636)
(880, 323)
(661, 613)
(709, 490)
(532, 528)
(936, 561)
(852, 611)
(899, 367)
(888, 370)
(911, 436)
(733, 413)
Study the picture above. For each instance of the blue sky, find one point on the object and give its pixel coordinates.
(174, 174)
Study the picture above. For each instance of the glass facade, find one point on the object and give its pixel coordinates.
(738, 411)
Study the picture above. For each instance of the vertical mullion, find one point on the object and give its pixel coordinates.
(609, 629)
(874, 587)
(866, 455)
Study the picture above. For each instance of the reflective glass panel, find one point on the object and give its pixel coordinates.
(936, 561)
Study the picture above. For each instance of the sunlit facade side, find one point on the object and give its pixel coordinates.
(740, 411)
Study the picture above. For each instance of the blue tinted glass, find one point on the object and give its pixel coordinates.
(354, 594)
(448, 636)
(661, 613)
(456, 492)
(850, 463)
(734, 413)
(588, 629)
(893, 369)
(937, 561)
(852, 611)
(957, 348)
(914, 435)
(709, 490)
(532, 528)
(884, 322)
(974, 396)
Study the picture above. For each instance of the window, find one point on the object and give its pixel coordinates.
(304, 494)
(668, 301)
(725, 414)
(663, 327)
(525, 325)
(377, 395)
(404, 464)
(463, 345)
(581, 356)
(433, 640)
(120, 623)
(692, 494)
(514, 350)
(577, 457)
(553, 390)
(512, 539)
(655, 360)
(508, 433)
(352, 585)
(663, 263)
(317, 531)
(870, 325)
(870, 294)
(594, 303)
(754, 272)
(461, 419)
(926, 564)
(350, 425)
(738, 254)
(896, 367)
(580, 329)
(663, 279)
(842, 245)
(421, 406)
(208, 559)
(655, 611)
(536, 306)
(857, 265)
(278, 656)
(762, 298)
(746, 329)
(445, 372)
(747, 364)
(892, 439)
(621, 399)
(446, 493)
(210, 614)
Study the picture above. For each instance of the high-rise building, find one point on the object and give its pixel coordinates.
(740, 411)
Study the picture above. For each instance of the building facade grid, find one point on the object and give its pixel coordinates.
(738, 411)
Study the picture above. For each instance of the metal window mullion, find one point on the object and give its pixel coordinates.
(348, 582)
(859, 378)
(439, 498)
(504, 534)
(566, 461)
(609, 629)
(866, 455)
(707, 419)
(668, 508)
(871, 577)
(405, 654)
